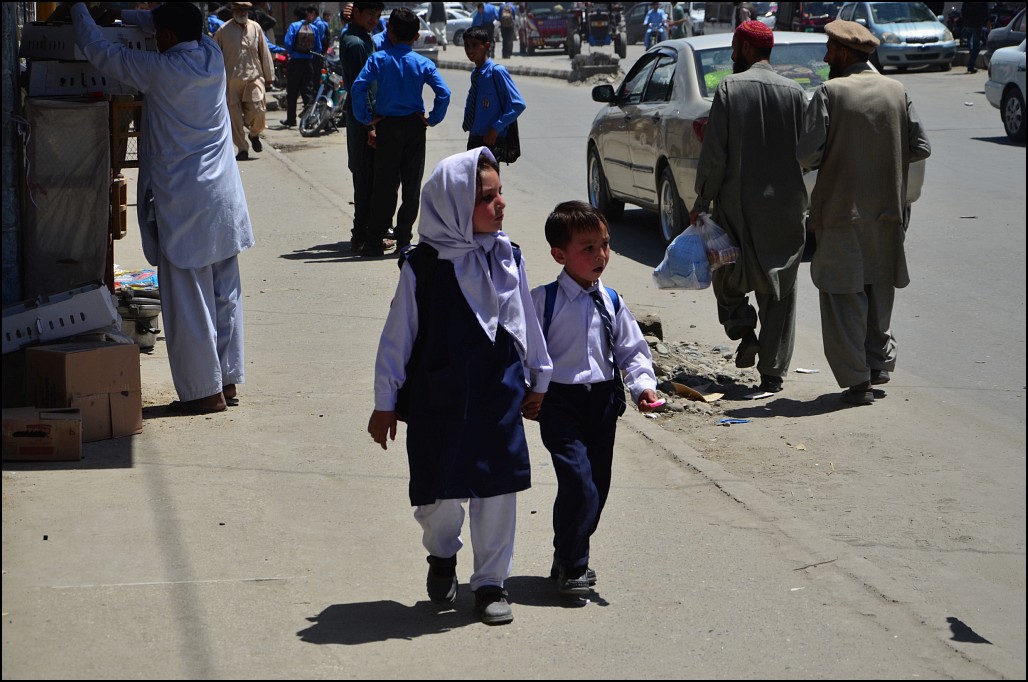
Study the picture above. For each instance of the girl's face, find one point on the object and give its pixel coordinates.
(489, 204)
(585, 256)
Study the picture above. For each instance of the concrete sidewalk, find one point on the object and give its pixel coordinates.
(276, 540)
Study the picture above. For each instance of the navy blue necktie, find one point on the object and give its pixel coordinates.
(469, 111)
(608, 327)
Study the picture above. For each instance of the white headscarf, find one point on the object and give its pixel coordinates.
(447, 207)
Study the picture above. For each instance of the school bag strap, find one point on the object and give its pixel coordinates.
(551, 297)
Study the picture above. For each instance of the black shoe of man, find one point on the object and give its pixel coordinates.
(255, 142)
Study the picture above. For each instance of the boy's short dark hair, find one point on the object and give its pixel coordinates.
(299, 13)
(184, 19)
(478, 33)
(405, 24)
(570, 218)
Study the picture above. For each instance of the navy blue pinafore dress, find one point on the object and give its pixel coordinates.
(465, 435)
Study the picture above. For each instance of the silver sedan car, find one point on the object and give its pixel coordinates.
(645, 142)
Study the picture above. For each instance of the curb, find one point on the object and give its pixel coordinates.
(513, 69)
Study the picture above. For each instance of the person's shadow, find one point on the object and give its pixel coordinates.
(379, 621)
(788, 407)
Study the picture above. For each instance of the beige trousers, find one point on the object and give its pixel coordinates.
(246, 109)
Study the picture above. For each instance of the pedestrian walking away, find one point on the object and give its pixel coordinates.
(355, 48)
(462, 359)
(748, 171)
(437, 21)
(301, 43)
(863, 125)
(494, 102)
(250, 69)
(397, 127)
(591, 337)
(486, 15)
(192, 211)
(977, 18)
(508, 25)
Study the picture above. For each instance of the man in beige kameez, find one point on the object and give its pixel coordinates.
(249, 67)
(861, 132)
(748, 170)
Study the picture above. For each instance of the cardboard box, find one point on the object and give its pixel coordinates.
(57, 41)
(71, 79)
(55, 317)
(40, 435)
(101, 379)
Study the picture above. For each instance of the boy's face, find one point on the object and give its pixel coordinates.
(489, 203)
(365, 19)
(586, 256)
(476, 50)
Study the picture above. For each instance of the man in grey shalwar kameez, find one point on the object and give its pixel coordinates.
(192, 212)
(862, 132)
(748, 169)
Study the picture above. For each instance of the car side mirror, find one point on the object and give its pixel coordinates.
(862, 21)
(604, 93)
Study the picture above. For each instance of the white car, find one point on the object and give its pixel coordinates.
(697, 15)
(457, 21)
(1005, 89)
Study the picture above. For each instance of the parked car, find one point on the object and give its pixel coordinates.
(645, 142)
(697, 16)
(543, 26)
(766, 13)
(457, 21)
(427, 44)
(910, 34)
(1005, 89)
(1010, 35)
(805, 16)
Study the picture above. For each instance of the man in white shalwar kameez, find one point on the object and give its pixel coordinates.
(192, 211)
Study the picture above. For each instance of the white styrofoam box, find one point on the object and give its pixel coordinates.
(59, 316)
(57, 41)
(71, 79)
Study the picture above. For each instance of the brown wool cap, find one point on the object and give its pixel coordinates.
(852, 35)
(247, 5)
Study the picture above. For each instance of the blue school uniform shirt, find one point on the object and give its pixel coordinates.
(290, 40)
(401, 75)
(577, 341)
(494, 109)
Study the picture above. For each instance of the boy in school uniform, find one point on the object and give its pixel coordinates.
(592, 338)
(494, 102)
(397, 127)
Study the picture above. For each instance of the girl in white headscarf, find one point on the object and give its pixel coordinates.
(464, 343)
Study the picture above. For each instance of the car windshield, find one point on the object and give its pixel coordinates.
(803, 63)
(900, 12)
(544, 9)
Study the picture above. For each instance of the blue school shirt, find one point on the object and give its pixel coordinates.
(401, 75)
(494, 109)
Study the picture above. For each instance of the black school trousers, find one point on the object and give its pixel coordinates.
(399, 164)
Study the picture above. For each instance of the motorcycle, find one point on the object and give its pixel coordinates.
(326, 111)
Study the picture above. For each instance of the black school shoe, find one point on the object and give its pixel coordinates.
(442, 579)
(573, 581)
(491, 605)
(590, 574)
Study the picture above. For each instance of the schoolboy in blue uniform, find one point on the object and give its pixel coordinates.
(493, 100)
(591, 337)
(463, 341)
(397, 127)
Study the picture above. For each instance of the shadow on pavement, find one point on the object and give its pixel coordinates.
(786, 407)
(532, 590)
(380, 621)
(636, 235)
(338, 252)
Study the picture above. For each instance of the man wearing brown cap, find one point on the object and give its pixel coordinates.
(249, 68)
(861, 132)
(748, 170)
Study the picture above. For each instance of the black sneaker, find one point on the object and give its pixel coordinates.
(442, 579)
(861, 394)
(575, 581)
(243, 156)
(879, 377)
(255, 142)
(590, 574)
(770, 384)
(287, 123)
(491, 605)
(746, 353)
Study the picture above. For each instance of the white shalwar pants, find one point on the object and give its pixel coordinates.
(203, 326)
(492, 534)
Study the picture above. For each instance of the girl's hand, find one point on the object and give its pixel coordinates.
(531, 405)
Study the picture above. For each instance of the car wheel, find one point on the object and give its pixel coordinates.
(458, 38)
(945, 67)
(531, 49)
(670, 207)
(599, 193)
(622, 45)
(877, 63)
(1012, 111)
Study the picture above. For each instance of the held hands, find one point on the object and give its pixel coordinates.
(531, 405)
(648, 401)
(381, 425)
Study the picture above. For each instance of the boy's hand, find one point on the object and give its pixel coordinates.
(531, 405)
(648, 401)
(490, 137)
(382, 424)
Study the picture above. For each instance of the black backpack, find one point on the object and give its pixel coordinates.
(305, 39)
